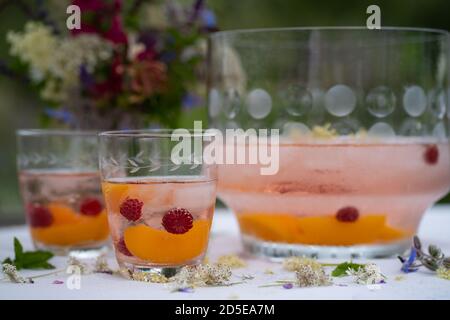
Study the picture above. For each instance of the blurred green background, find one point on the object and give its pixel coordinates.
(19, 108)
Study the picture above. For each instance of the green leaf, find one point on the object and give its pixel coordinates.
(29, 259)
(341, 269)
(18, 249)
(40, 265)
(33, 258)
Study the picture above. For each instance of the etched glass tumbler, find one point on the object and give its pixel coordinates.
(363, 119)
(60, 187)
(160, 196)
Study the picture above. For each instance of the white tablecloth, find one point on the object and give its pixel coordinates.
(435, 228)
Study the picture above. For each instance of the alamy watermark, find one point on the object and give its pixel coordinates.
(374, 20)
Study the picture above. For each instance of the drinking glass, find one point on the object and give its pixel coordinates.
(160, 202)
(61, 192)
(363, 119)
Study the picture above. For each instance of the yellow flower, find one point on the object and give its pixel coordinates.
(443, 272)
(232, 261)
(296, 263)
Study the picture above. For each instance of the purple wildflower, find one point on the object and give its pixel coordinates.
(86, 79)
(208, 19)
(196, 10)
(61, 115)
(288, 285)
(58, 282)
(408, 265)
(191, 101)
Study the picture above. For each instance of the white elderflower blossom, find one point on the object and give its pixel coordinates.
(11, 272)
(57, 61)
(310, 276)
(82, 267)
(295, 263)
(369, 274)
(102, 266)
(85, 50)
(35, 46)
(202, 275)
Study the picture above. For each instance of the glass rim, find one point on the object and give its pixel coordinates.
(429, 31)
(55, 132)
(159, 133)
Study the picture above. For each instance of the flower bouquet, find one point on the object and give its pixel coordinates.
(130, 64)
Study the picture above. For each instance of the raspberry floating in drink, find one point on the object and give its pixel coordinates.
(40, 216)
(177, 221)
(131, 209)
(91, 207)
(347, 214)
(122, 247)
(431, 154)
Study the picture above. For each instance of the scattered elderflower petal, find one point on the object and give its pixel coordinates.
(82, 267)
(269, 271)
(399, 278)
(324, 131)
(146, 277)
(185, 290)
(232, 261)
(11, 272)
(247, 277)
(443, 273)
(296, 263)
(369, 274)
(101, 265)
(233, 297)
(288, 285)
(309, 275)
(203, 275)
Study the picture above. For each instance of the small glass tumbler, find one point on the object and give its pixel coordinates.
(160, 196)
(61, 191)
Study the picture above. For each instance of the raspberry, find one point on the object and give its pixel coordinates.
(347, 214)
(131, 209)
(177, 220)
(431, 154)
(91, 207)
(122, 247)
(39, 216)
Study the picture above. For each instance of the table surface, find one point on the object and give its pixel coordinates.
(435, 228)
